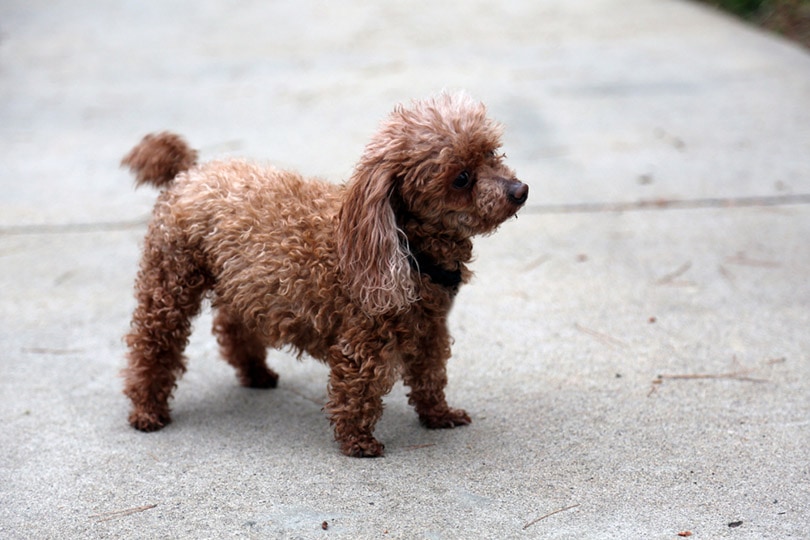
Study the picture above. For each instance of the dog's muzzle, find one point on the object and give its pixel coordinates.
(517, 192)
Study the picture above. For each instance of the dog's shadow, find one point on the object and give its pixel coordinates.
(210, 402)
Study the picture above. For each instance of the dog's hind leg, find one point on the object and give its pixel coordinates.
(169, 291)
(244, 350)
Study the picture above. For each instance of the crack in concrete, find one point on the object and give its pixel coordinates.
(669, 204)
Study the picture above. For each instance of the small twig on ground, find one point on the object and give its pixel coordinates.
(604, 338)
(535, 263)
(541, 518)
(741, 375)
(106, 516)
(419, 446)
(735, 375)
(727, 275)
(742, 259)
(670, 278)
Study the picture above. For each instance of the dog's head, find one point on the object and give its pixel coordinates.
(437, 165)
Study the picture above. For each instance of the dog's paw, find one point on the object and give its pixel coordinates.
(260, 378)
(149, 421)
(446, 419)
(366, 447)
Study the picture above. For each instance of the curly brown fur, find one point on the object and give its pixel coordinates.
(159, 158)
(360, 276)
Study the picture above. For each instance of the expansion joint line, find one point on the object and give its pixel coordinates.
(670, 204)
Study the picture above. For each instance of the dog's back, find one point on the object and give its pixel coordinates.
(255, 230)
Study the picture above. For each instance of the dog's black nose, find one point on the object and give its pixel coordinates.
(518, 192)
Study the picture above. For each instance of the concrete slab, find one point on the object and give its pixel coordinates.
(640, 373)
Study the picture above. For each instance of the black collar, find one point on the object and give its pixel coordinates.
(424, 263)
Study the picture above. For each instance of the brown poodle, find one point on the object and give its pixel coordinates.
(360, 276)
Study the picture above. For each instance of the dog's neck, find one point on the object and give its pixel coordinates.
(440, 258)
(431, 251)
(425, 264)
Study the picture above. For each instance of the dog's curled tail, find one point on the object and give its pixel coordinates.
(158, 158)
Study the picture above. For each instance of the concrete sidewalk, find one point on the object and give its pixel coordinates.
(633, 350)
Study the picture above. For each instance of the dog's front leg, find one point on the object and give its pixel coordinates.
(426, 375)
(356, 388)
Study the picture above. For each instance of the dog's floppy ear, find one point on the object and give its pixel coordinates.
(374, 263)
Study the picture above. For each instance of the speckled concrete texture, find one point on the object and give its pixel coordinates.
(634, 347)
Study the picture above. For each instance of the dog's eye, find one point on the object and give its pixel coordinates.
(463, 180)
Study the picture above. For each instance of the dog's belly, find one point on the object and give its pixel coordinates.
(288, 298)
(285, 328)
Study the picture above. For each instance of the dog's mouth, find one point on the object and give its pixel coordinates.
(467, 225)
(490, 210)
(493, 214)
